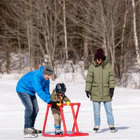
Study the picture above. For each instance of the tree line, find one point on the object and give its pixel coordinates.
(63, 31)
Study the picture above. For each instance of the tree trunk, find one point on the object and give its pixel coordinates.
(135, 33)
(65, 28)
(86, 60)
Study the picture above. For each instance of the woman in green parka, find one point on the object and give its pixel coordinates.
(100, 84)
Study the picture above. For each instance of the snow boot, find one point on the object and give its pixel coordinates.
(112, 128)
(95, 129)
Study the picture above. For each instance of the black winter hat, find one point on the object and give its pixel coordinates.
(99, 54)
(47, 70)
(60, 88)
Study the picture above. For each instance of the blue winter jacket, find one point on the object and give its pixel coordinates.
(34, 82)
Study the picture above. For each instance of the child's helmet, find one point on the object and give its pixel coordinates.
(60, 88)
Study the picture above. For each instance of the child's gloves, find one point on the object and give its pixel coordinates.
(58, 104)
(52, 103)
(68, 103)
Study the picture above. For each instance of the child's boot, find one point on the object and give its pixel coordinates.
(58, 130)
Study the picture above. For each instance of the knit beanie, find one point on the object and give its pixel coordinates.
(99, 54)
(47, 70)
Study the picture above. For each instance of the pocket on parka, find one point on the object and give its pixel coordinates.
(106, 89)
(94, 89)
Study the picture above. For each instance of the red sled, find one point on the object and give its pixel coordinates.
(75, 129)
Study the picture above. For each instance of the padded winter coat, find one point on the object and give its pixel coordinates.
(34, 82)
(99, 80)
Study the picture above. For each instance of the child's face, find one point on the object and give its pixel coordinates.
(60, 94)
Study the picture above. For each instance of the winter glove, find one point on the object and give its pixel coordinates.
(52, 103)
(111, 92)
(58, 104)
(88, 94)
(68, 103)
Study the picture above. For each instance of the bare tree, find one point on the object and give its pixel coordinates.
(65, 28)
(135, 33)
(69, 30)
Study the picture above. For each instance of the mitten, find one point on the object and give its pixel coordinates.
(88, 94)
(52, 103)
(58, 104)
(68, 103)
(111, 92)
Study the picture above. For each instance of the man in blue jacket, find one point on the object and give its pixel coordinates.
(37, 81)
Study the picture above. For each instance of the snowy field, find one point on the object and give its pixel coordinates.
(126, 109)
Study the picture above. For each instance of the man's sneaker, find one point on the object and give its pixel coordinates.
(37, 131)
(29, 133)
(112, 128)
(96, 128)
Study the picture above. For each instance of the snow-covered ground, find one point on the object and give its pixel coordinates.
(126, 109)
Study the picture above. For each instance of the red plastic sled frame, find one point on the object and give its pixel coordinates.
(75, 129)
